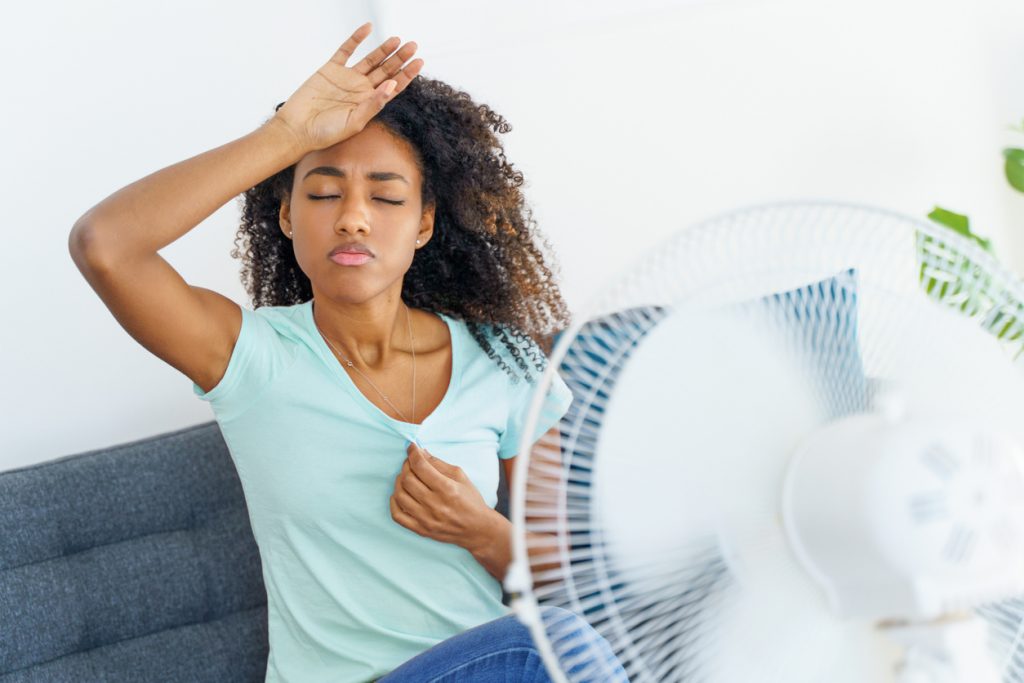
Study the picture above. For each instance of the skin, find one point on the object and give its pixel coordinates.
(360, 307)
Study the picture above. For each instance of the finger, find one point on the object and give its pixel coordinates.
(444, 468)
(371, 106)
(405, 76)
(399, 516)
(407, 505)
(426, 472)
(372, 60)
(344, 53)
(414, 487)
(392, 65)
(440, 465)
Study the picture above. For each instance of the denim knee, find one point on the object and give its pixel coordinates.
(509, 631)
(579, 647)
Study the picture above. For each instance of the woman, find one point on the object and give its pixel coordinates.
(389, 358)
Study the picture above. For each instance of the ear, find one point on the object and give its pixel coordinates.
(284, 217)
(426, 226)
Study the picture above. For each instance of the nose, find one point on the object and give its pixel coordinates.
(353, 216)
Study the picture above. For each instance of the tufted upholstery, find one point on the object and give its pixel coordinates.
(133, 563)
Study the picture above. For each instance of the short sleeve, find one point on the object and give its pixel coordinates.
(259, 355)
(556, 404)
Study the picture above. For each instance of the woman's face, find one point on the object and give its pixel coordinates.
(371, 189)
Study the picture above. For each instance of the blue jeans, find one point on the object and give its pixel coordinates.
(503, 650)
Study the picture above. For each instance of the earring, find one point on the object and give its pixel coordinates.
(417, 241)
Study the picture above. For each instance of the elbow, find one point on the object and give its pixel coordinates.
(77, 239)
(82, 245)
(87, 248)
(78, 242)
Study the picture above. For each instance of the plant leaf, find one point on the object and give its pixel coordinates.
(960, 224)
(950, 219)
(1015, 167)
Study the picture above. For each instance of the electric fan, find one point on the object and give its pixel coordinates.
(794, 453)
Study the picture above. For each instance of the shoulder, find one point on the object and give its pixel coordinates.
(431, 331)
(288, 323)
(266, 346)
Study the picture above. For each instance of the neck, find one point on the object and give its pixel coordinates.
(374, 336)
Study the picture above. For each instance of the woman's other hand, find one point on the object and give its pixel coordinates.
(438, 500)
(337, 101)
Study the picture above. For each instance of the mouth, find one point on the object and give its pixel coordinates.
(350, 258)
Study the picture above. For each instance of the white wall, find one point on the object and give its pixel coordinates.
(631, 120)
(1002, 24)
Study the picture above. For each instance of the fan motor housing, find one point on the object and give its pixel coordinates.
(907, 518)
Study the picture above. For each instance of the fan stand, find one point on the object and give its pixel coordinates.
(948, 650)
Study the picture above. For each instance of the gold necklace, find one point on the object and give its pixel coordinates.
(412, 341)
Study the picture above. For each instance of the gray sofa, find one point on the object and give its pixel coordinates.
(134, 563)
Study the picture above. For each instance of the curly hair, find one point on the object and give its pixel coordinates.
(482, 264)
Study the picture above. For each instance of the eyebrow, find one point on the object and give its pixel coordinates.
(338, 173)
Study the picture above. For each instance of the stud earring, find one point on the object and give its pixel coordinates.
(417, 241)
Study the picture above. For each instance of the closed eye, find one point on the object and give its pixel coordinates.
(380, 199)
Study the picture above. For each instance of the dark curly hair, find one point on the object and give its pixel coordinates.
(481, 265)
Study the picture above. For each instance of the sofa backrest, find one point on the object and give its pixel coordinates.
(131, 563)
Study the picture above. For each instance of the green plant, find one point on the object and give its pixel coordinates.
(956, 281)
(1015, 163)
(953, 280)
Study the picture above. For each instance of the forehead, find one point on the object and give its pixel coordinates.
(373, 149)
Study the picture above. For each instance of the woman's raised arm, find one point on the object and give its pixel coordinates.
(335, 103)
(115, 244)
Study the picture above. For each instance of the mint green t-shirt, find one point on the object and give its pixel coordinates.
(351, 593)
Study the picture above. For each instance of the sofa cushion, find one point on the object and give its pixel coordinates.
(131, 563)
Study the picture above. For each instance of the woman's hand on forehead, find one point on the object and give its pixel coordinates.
(338, 101)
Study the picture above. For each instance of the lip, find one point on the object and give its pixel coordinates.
(351, 248)
(349, 258)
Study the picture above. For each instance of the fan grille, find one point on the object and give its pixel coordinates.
(755, 259)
